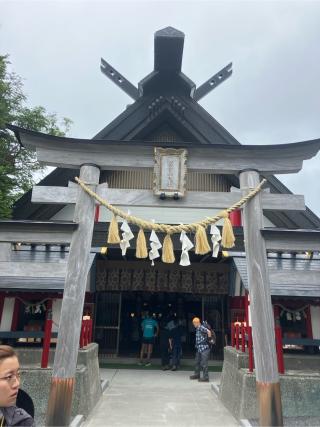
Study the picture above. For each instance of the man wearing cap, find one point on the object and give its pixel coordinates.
(203, 351)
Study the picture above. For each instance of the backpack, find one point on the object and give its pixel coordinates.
(211, 340)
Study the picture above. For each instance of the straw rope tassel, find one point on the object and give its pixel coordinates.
(141, 249)
(113, 234)
(167, 250)
(201, 240)
(228, 238)
(165, 228)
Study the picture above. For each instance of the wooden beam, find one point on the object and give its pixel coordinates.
(291, 240)
(65, 360)
(267, 377)
(294, 277)
(213, 82)
(220, 161)
(114, 155)
(34, 269)
(37, 232)
(282, 202)
(146, 198)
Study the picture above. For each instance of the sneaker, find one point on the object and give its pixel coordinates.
(194, 377)
(148, 364)
(203, 380)
(174, 368)
(140, 363)
(165, 368)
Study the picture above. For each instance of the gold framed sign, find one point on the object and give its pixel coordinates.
(170, 171)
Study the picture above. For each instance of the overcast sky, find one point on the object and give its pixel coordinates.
(273, 96)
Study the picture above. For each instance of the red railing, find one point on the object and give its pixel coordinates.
(86, 333)
(85, 337)
(242, 334)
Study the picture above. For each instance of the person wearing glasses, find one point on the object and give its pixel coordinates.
(10, 414)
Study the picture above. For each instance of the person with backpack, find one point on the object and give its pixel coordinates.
(204, 337)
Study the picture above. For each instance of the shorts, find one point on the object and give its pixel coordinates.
(146, 340)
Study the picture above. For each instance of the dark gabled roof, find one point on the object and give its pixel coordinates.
(166, 100)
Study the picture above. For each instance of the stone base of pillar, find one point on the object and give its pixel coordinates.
(300, 389)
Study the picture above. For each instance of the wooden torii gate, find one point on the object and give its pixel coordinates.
(91, 156)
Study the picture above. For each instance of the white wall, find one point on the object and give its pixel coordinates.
(7, 314)
(315, 321)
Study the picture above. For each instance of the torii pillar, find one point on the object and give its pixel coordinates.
(266, 368)
(65, 360)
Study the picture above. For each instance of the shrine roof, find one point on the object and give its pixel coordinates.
(23, 135)
(165, 97)
(290, 274)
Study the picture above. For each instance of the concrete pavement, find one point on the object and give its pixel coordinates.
(156, 398)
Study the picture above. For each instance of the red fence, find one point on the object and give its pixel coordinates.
(242, 335)
(85, 337)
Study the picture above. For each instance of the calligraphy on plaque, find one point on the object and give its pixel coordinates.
(170, 172)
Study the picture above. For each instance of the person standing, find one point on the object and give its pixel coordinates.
(202, 351)
(176, 335)
(164, 343)
(10, 414)
(150, 330)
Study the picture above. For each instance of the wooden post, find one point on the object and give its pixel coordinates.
(81, 342)
(2, 298)
(90, 330)
(65, 361)
(309, 323)
(250, 348)
(237, 336)
(15, 315)
(279, 347)
(246, 307)
(243, 338)
(47, 336)
(267, 377)
(232, 334)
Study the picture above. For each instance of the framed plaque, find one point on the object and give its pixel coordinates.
(170, 172)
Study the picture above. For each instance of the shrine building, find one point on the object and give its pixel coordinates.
(165, 113)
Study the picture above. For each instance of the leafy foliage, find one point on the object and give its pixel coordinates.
(18, 165)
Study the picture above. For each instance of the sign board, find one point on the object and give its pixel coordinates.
(170, 172)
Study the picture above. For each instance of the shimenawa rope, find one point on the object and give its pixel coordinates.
(171, 229)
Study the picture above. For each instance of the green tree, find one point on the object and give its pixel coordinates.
(18, 165)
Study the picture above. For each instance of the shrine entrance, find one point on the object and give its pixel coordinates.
(127, 289)
(119, 316)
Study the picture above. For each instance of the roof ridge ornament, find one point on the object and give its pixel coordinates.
(213, 82)
(117, 78)
(168, 53)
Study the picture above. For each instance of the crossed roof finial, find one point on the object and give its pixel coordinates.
(168, 52)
